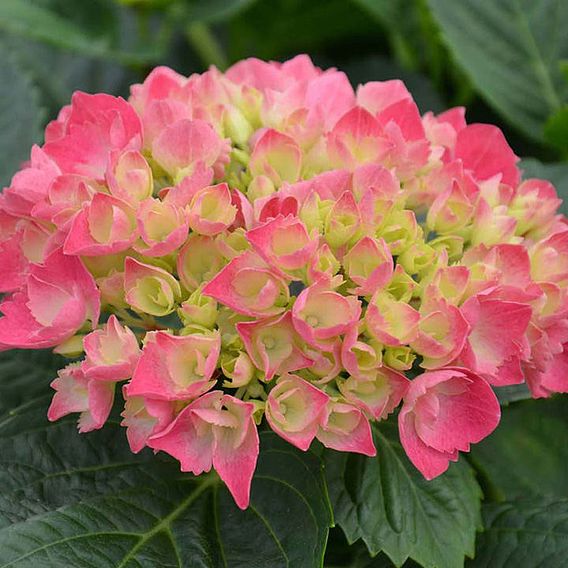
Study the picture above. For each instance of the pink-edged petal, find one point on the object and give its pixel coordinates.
(188, 440)
(484, 150)
(295, 409)
(236, 452)
(430, 462)
(347, 429)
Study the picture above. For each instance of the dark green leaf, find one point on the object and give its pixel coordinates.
(527, 534)
(96, 17)
(217, 10)
(401, 23)
(528, 454)
(386, 502)
(21, 116)
(283, 28)
(86, 501)
(511, 49)
(340, 554)
(386, 11)
(556, 129)
(557, 174)
(24, 375)
(75, 72)
(33, 21)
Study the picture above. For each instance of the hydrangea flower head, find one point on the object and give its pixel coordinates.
(270, 246)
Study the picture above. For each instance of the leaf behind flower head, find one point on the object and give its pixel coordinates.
(21, 115)
(387, 503)
(528, 533)
(528, 454)
(25, 374)
(512, 51)
(86, 500)
(87, 31)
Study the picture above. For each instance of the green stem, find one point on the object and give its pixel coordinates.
(206, 45)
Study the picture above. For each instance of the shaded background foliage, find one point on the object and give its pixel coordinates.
(87, 501)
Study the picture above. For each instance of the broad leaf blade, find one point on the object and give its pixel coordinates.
(33, 21)
(276, 29)
(386, 502)
(527, 534)
(75, 72)
(21, 115)
(88, 501)
(556, 130)
(217, 10)
(24, 375)
(512, 50)
(528, 454)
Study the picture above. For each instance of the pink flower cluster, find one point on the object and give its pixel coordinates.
(269, 242)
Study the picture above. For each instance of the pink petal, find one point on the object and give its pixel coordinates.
(187, 440)
(484, 150)
(235, 454)
(355, 436)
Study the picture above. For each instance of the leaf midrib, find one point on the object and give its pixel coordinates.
(541, 69)
(417, 499)
(164, 524)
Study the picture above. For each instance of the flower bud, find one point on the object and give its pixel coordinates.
(324, 265)
(399, 358)
(342, 222)
(451, 211)
(232, 244)
(239, 368)
(401, 286)
(236, 125)
(452, 245)
(150, 289)
(417, 258)
(400, 231)
(199, 309)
